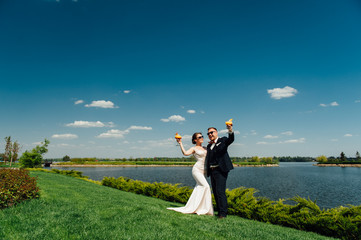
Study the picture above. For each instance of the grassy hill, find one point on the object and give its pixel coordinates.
(71, 208)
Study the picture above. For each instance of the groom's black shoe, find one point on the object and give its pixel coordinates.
(221, 217)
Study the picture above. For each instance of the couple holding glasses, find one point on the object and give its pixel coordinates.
(212, 162)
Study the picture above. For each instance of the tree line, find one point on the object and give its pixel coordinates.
(341, 159)
(29, 159)
(11, 151)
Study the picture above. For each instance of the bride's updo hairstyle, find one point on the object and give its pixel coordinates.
(194, 137)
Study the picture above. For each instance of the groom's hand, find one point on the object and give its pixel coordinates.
(230, 128)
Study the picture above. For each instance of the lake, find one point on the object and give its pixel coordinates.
(330, 186)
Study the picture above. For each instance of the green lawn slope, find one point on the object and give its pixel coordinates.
(71, 208)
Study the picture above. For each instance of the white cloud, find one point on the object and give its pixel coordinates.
(278, 93)
(186, 137)
(348, 135)
(264, 143)
(101, 104)
(78, 102)
(139, 128)
(225, 131)
(126, 91)
(191, 111)
(238, 144)
(65, 145)
(333, 104)
(300, 140)
(357, 101)
(270, 137)
(113, 133)
(288, 133)
(170, 142)
(334, 140)
(65, 136)
(173, 118)
(87, 124)
(253, 132)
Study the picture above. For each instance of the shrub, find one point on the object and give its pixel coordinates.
(31, 159)
(342, 222)
(83, 160)
(72, 173)
(34, 158)
(168, 192)
(16, 186)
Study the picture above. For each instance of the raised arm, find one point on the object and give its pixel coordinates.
(185, 153)
(230, 138)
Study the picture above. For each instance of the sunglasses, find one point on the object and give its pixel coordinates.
(211, 132)
(199, 137)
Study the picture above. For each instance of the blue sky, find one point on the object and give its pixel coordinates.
(120, 78)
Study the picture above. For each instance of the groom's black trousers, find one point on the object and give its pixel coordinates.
(218, 180)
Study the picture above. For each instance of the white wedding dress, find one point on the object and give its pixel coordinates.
(200, 201)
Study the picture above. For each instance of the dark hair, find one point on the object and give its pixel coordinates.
(213, 128)
(194, 137)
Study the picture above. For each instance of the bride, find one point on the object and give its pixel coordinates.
(200, 201)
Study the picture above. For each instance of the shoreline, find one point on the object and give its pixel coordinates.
(337, 165)
(80, 165)
(154, 165)
(263, 165)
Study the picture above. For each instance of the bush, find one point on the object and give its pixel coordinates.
(168, 192)
(83, 160)
(342, 222)
(31, 159)
(16, 186)
(72, 173)
(34, 158)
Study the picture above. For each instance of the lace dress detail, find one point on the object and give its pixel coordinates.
(200, 201)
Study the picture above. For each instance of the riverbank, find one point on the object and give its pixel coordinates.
(71, 208)
(260, 165)
(116, 165)
(337, 165)
(153, 165)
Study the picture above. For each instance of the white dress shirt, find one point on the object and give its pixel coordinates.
(214, 144)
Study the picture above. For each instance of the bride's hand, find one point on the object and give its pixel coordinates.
(179, 140)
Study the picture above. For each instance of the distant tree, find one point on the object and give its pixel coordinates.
(254, 159)
(8, 147)
(66, 158)
(34, 158)
(321, 159)
(14, 152)
(267, 160)
(358, 157)
(343, 157)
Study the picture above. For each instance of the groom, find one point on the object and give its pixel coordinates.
(218, 164)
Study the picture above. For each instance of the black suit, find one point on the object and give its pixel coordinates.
(219, 156)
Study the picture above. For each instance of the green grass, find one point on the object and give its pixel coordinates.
(13, 165)
(71, 208)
